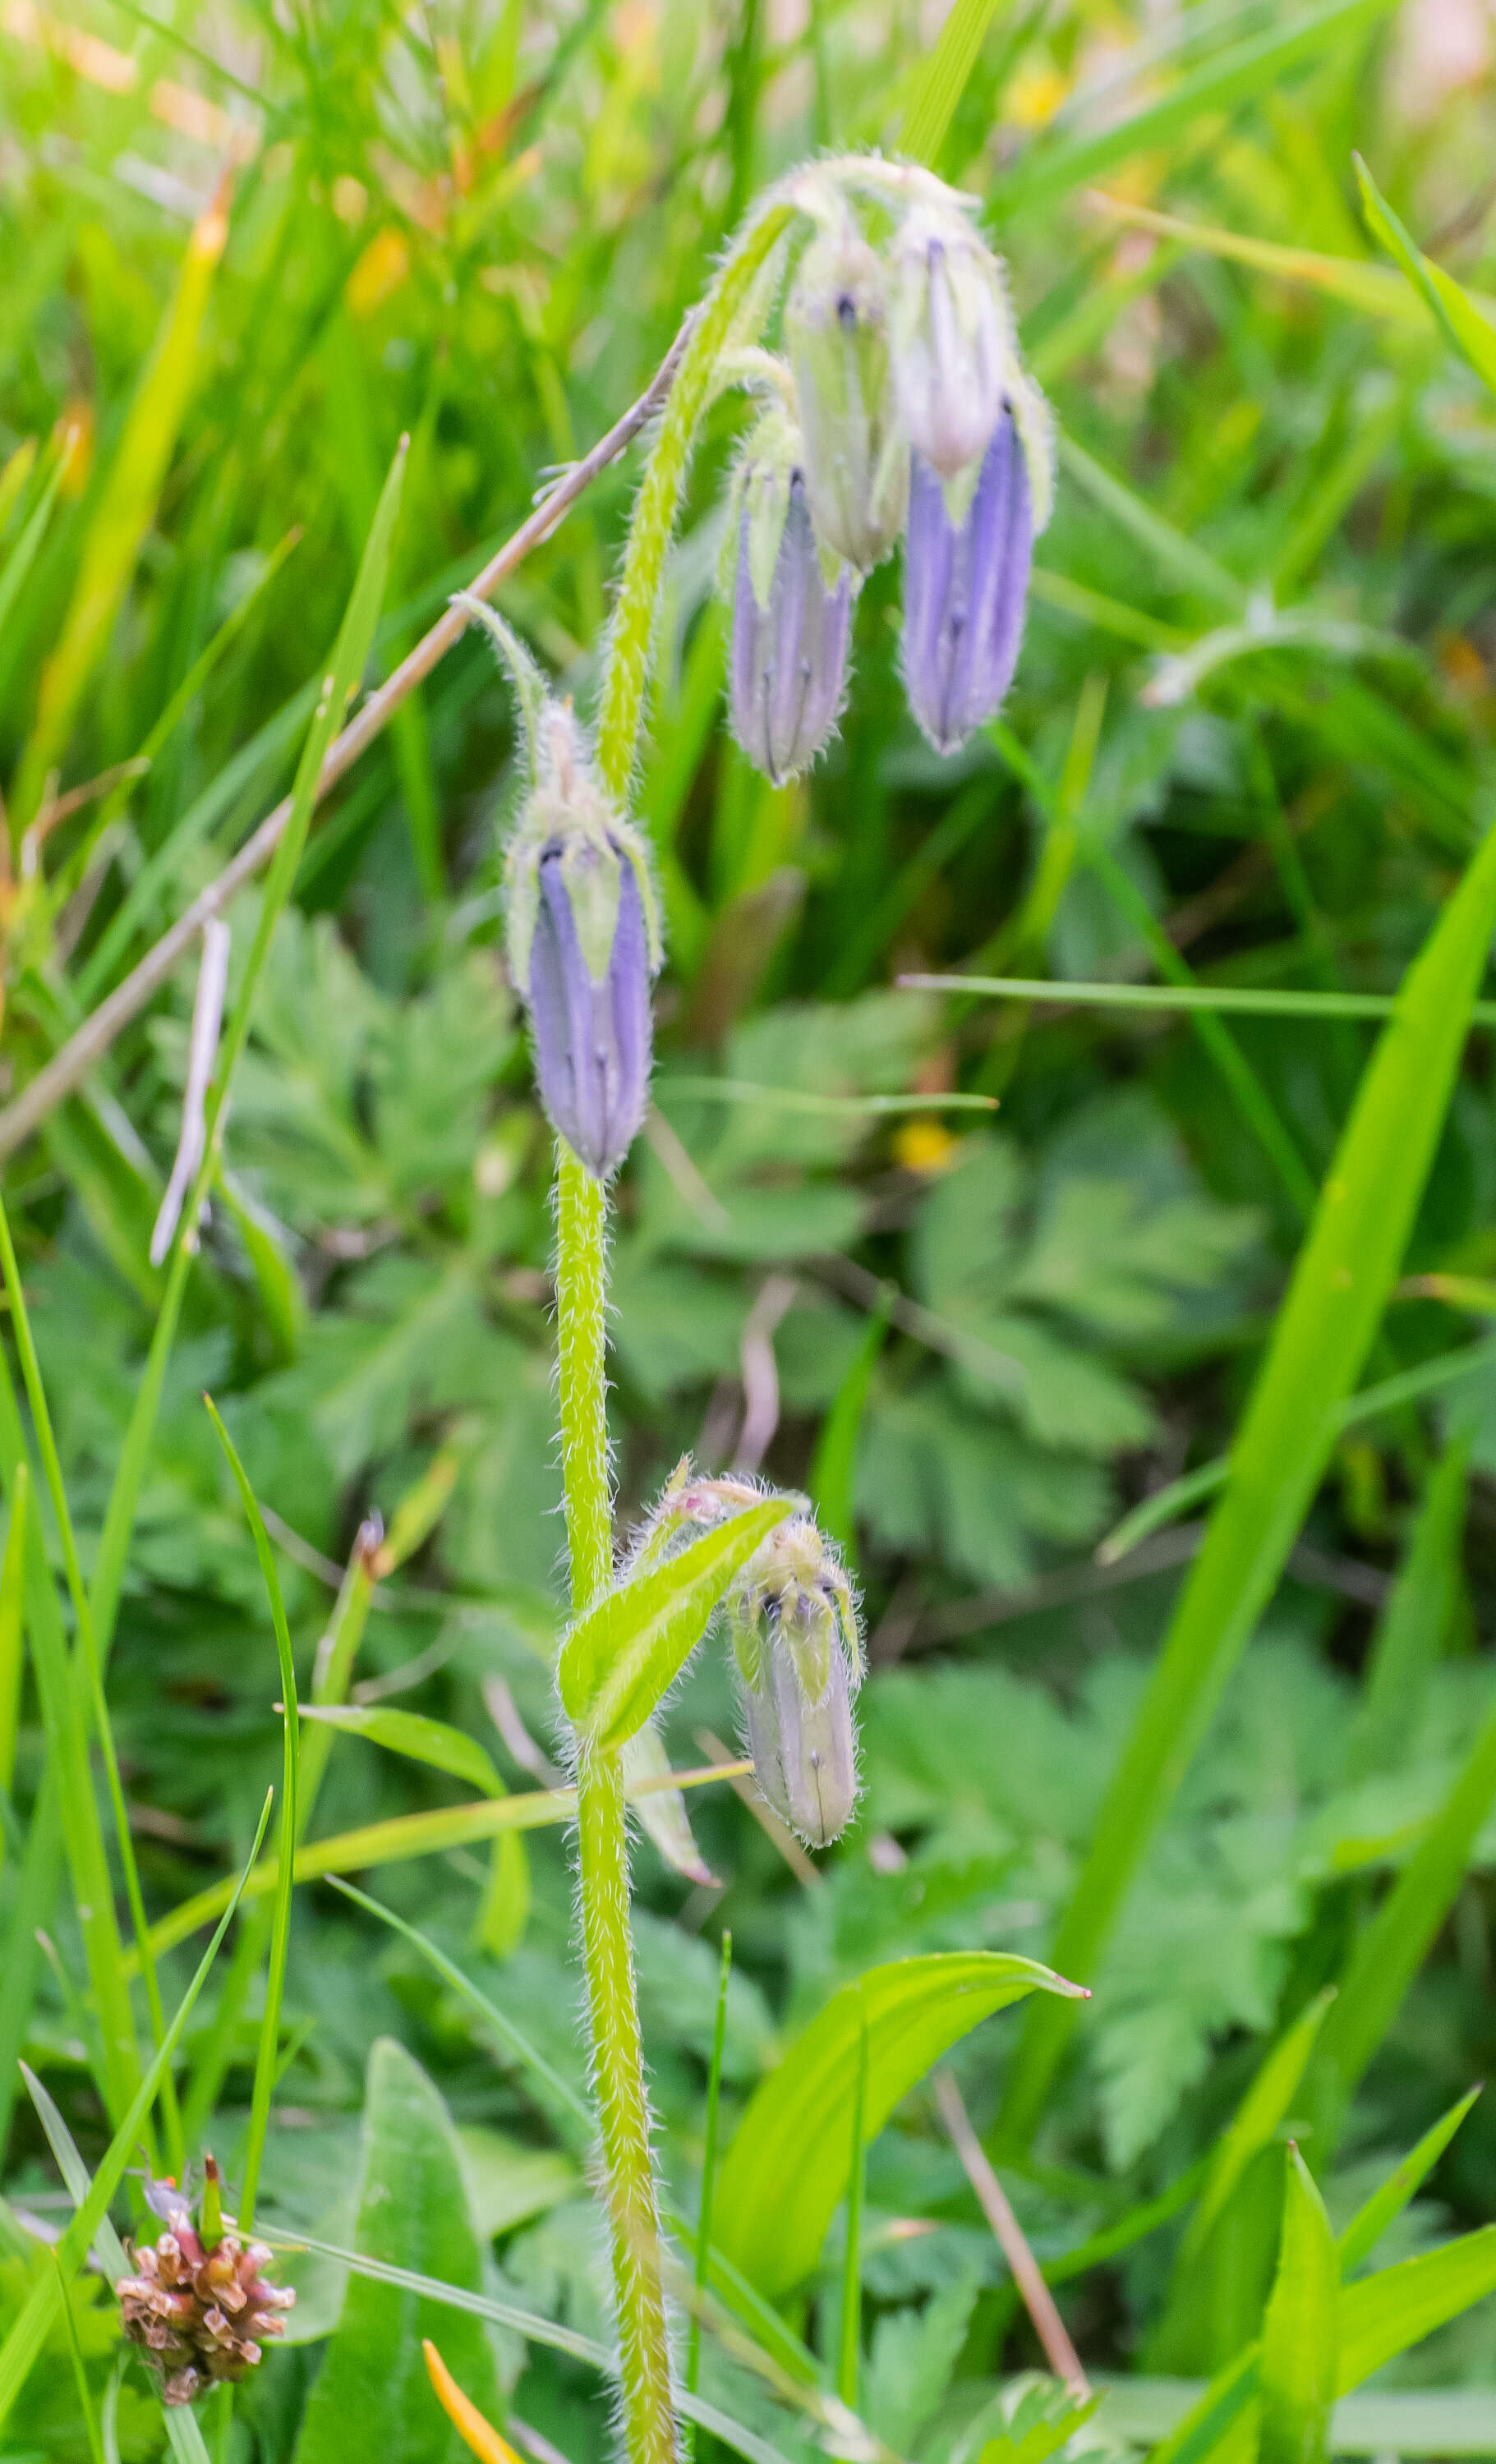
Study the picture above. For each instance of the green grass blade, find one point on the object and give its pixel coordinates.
(1229, 1000)
(1414, 1627)
(1454, 311)
(1390, 1395)
(31, 1911)
(703, 2249)
(944, 78)
(404, 1836)
(1389, 1953)
(125, 508)
(84, 1665)
(12, 1593)
(28, 2330)
(265, 2064)
(23, 555)
(1299, 2331)
(1385, 2205)
(96, 2446)
(849, 2359)
(1252, 2126)
(1323, 1332)
(503, 2027)
(1049, 170)
(1214, 2412)
(1380, 2315)
(834, 1462)
(348, 659)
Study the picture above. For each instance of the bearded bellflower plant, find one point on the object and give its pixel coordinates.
(897, 397)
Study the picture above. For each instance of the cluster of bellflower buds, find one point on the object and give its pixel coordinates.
(582, 929)
(198, 2307)
(905, 408)
(793, 1624)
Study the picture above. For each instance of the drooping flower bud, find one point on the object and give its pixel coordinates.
(856, 457)
(790, 624)
(200, 2311)
(794, 1626)
(952, 338)
(965, 583)
(582, 932)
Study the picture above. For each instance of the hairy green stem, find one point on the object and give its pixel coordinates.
(581, 1289)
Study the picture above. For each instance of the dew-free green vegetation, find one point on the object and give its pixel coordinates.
(1071, 1168)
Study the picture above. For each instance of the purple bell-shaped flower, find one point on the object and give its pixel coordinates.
(790, 625)
(592, 1033)
(965, 585)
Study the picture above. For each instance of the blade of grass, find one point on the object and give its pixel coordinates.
(1251, 2128)
(1049, 170)
(1460, 319)
(703, 2252)
(125, 510)
(28, 2330)
(280, 1935)
(1386, 2204)
(944, 78)
(341, 679)
(65, 1724)
(1324, 1330)
(31, 1911)
(849, 2361)
(1413, 1629)
(503, 2027)
(85, 2401)
(834, 1462)
(1390, 1395)
(1181, 998)
(12, 1592)
(1390, 1952)
(405, 1836)
(1300, 2330)
(85, 1659)
(23, 555)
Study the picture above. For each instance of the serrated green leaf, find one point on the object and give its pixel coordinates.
(412, 1733)
(790, 2160)
(621, 1656)
(1299, 2332)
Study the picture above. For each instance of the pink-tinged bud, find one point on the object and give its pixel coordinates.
(952, 338)
(790, 619)
(199, 2315)
(856, 456)
(965, 585)
(794, 1626)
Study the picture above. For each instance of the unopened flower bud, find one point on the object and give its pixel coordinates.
(790, 624)
(965, 583)
(952, 338)
(583, 932)
(794, 1626)
(856, 459)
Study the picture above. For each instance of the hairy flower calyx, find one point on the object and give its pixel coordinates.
(793, 1620)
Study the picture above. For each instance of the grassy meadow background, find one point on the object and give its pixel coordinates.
(243, 251)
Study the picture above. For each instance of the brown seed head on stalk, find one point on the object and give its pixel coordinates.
(199, 2311)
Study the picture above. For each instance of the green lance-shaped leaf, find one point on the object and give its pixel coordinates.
(1455, 313)
(624, 1652)
(1249, 2131)
(1381, 2315)
(789, 2164)
(1324, 1330)
(410, 1733)
(1299, 2331)
(372, 2397)
(1388, 2200)
(1412, 1630)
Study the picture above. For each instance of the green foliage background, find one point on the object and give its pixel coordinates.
(1251, 727)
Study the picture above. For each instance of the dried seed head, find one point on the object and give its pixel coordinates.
(793, 1619)
(199, 2315)
(791, 607)
(954, 347)
(856, 456)
(965, 584)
